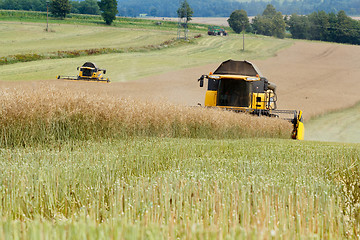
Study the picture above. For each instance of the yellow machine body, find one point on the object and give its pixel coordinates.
(210, 98)
(299, 129)
(258, 101)
(239, 86)
(255, 100)
(93, 73)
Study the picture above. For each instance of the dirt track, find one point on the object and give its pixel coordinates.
(314, 77)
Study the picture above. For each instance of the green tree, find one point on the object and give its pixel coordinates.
(279, 25)
(269, 11)
(347, 29)
(185, 11)
(89, 7)
(326, 27)
(75, 6)
(11, 4)
(270, 23)
(332, 27)
(299, 26)
(59, 8)
(239, 21)
(108, 10)
(262, 25)
(319, 25)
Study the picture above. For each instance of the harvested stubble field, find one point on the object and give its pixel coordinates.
(132, 160)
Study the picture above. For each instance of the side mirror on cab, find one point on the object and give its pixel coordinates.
(201, 80)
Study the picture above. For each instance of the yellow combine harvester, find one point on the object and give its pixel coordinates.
(88, 72)
(239, 86)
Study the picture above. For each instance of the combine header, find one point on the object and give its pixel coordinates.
(239, 86)
(88, 72)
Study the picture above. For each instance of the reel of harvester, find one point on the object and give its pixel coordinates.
(239, 86)
(88, 72)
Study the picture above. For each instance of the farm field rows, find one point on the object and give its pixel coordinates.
(170, 188)
(22, 38)
(121, 161)
(126, 66)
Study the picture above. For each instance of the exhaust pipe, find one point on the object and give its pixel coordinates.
(272, 86)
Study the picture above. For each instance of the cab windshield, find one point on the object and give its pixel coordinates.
(234, 93)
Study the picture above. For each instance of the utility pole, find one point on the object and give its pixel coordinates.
(47, 15)
(243, 30)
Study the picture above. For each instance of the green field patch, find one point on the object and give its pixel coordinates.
(94, 20)
(30, 38)
(134, 65)
(29, 57)
(338, 126)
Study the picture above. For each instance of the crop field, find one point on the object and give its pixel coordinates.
(132, 66)
(170, 188)
(23, 38)
(82, 161)
(41, 116)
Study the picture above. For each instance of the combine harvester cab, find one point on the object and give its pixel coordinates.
(88, 72)
(239, 86)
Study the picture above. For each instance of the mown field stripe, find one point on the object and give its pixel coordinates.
(29, 57)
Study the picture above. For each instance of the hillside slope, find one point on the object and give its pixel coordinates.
(315, 77)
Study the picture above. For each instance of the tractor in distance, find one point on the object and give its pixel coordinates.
(216, 31)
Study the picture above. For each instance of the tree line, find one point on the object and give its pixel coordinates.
(82, 7)
(60, 8)
(269, 23)
(215, 8)
(210, 8)
(322, 26)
